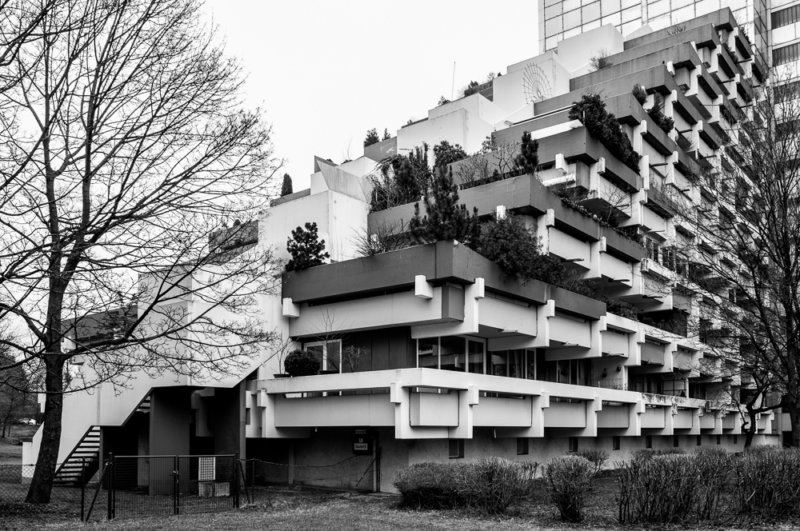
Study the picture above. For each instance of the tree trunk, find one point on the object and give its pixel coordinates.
(43, 475)
(751, 427)
(794, 417)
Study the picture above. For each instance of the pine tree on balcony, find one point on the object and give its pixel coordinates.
(445, 219)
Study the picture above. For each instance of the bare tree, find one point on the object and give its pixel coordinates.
(123, 151)
(745, 256)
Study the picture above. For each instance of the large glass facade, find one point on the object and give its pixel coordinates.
(566, 18)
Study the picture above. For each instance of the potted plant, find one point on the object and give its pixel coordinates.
(301, 363)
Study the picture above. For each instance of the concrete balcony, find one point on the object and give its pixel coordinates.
(428, 403)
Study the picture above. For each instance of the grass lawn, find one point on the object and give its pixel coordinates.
(279, 508)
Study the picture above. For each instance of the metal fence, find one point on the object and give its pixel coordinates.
(152, 485)
(130, 487)
(67, 501)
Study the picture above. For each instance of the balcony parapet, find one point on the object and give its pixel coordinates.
(526, 195)
(439, 262)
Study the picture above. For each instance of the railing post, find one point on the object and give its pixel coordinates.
(176, 504)
(236, 480)
(110, 486)
(83, 487)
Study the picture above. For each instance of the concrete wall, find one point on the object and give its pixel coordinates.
(326, 458)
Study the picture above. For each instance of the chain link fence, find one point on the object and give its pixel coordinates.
(67, 501)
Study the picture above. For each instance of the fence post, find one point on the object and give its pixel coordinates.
(176, 503)
(83, 487)
(110, 486)
(236, 481)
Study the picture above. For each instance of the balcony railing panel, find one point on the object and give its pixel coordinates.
(565, 415)
(654, 418)
(613, 417)
(508, 412)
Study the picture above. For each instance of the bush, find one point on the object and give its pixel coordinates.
(597, 457)
(489, 485)
(639, 93)
(568, 478)
(508, 243)
(301, 363)
(648, 453)
(305, 248)
(671, 488)
(768, 481)
(492, 484)
(591, 111)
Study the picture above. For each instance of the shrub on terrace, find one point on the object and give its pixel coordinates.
(528, 159)
(371, 138)
(512, 246)
(444, 218)
(403, 179)
(568, 478)
(305, 248)
(446, 153)
(655, 112)
(591, 111)
(639, 93)
(301, 363)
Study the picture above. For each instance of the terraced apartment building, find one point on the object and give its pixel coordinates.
(431, 352)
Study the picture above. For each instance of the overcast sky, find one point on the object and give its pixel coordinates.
(326, 71)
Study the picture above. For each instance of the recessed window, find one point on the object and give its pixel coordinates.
(735, 439)
(648, 441)
(719, 439)
(615, 442)
(456, 448)
(573, 444)
(676, 440)
(328, 353)
(522, 446)
(699, 440)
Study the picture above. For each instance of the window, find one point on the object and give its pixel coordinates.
(676, 440)
(329, 354)
(719, 439)
(522, 446)
(735, 439)
(784, 17)
(452, 354)
(615, 442)
(787, 54)
(699, 440)
(648, 441)
(573, 444)
(456, 448)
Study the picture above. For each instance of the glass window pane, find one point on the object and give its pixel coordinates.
(333, 356)
(476, 357)
(428, 353)
(453, 357)
(590, 12)
(318, 352)
(572, 19)
(499, 363)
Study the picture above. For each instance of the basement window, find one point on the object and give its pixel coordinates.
(676, 440)
(699, 440)
(615, 442)
(522, 446)
(719, 439)
(456, 448)
(573, 444)
(648, 441)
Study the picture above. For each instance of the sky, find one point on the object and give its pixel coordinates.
(327, 71)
